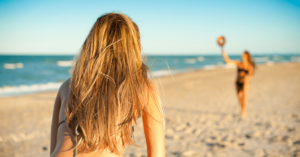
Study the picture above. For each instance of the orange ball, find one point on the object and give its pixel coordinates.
(221, 40)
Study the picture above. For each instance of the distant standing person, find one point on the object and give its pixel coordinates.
(245, 70)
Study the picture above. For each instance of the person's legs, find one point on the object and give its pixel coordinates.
(244, 99)
(240, 93)
(241, 100)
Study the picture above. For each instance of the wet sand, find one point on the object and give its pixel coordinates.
(201, 113)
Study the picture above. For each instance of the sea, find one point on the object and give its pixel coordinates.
(24, 74)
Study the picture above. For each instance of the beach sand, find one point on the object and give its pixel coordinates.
(201, 116)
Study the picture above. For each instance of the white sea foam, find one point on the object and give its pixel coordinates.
(190, 60)
(200, 59)
(224, 66)
(162, 73)
(209, 67)
(229, 66)
(13, 65)
(295, 58)
(64, 63)
(23, 89)
(220, 63)
(275, 57)
(261, 59)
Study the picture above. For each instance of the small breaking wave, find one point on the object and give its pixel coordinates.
(209, 67)
(25, 89)
(295, 59)
(64, 63)
(228, 66)
(224, 66)
(163, 73)
(190, 60)
(269, 63)
(277, 58)
(200, 59)
(13, 66)
(261, 59)
(220, 63)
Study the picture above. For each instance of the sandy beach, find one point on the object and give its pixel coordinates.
(201, 114)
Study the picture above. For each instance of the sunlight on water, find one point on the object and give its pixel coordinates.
(13, 66)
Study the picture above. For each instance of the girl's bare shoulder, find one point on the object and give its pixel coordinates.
(65, 88)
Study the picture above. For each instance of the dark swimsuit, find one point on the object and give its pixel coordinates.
(240, 85)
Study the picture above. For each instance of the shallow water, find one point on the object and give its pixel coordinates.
(28, 74)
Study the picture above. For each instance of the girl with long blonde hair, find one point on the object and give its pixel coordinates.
(109, 89)
(245, 71)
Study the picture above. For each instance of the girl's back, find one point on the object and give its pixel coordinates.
(108, 91)
(65, 140)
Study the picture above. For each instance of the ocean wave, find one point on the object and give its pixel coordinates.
(24, 89)
(200, 59)
(261, 59)
(64, 63)
(295, 59)
(228, 66)
(276, 58)
(224, 66)
(190, 60)
(210, 67)
(269, 63)
(220, 63)
(162, 73)
(13, 66)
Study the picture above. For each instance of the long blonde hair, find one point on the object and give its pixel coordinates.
(109, 86)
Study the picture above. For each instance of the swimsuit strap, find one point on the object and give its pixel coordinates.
(132, 131)
(60, 123)
(76, 133)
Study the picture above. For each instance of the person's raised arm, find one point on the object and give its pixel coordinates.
(226, 58)
(154, 128)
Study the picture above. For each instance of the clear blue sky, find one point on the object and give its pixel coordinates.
(167, 27)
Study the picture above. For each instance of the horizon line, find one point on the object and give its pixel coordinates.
(151, 54)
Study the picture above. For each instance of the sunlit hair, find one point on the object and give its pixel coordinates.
(250, 59)
(109, 86)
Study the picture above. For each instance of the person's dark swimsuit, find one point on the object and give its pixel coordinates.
(239, 84)
(242, 70)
